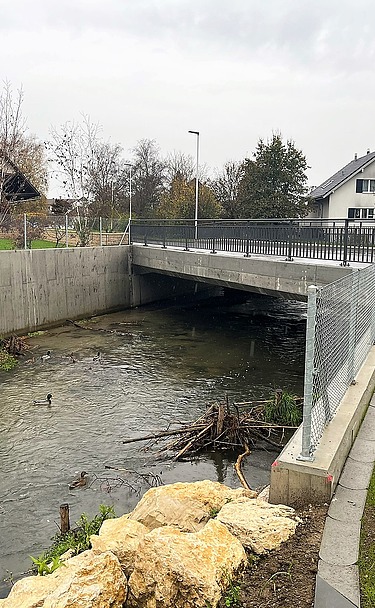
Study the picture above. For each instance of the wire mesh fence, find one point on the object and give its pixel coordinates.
(26, 231)
(340, 334)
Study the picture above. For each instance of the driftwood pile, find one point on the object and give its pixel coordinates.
(223, 427)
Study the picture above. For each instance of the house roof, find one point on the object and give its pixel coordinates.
(16, 186)
(336, 180)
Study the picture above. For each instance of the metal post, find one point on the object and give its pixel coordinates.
(309, 374)
(101, 231)
(24, 231)
(346, 238)
(66, 231)
(213, 250)
(289, 257)
(352, 325)
(196, 187)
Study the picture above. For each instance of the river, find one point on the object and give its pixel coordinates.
(158, 365)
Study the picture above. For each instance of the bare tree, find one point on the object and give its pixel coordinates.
(89, 169)
(149, 173)
(226, 187)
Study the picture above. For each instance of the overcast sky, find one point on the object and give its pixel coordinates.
(234, 70)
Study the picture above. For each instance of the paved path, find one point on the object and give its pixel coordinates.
(337, 583)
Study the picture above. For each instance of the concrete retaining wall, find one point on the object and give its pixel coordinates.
(43, 287)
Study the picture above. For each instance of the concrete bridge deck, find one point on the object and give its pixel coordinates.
(269, 275)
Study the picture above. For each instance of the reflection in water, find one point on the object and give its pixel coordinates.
(156, 367)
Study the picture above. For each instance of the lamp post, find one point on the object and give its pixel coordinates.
(196, 187)
(130, 195)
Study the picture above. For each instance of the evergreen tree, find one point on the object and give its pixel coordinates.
(274, 184)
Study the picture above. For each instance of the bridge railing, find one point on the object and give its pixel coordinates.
(340, 333)
(344, 240)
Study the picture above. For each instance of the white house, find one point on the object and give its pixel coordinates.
(349, 193)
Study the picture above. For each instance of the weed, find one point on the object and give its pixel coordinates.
(77, 540)
(272, 578)
(232, 596)
(213, 512)
(283, 409)
(47, 567)
(33, 334)
(7, 361)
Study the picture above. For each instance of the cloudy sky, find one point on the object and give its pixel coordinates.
(235, 70)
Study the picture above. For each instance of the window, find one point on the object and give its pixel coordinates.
(365, 185)
(356, 213)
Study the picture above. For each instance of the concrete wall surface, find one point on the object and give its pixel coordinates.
(42, 287)
(268, 275)
(295, 482)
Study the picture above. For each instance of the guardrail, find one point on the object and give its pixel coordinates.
(343, 240)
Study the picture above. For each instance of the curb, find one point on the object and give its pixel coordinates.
(337, 580)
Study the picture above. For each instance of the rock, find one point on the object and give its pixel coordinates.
(188, 506)
(258, 525)
(184, 570)
(122, 536)
(264, 494)
(88, 580)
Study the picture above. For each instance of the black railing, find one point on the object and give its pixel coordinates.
(343, 241)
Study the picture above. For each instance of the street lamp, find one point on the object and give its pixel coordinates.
(196, 187)
(130, 194)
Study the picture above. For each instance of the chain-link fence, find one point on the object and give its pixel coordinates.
(33, 230)
(340, 334)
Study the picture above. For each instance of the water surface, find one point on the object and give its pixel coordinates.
(158, 366)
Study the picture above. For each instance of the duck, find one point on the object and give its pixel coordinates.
(80, 482)
(97, 357)
(46, 356)
(46, 401)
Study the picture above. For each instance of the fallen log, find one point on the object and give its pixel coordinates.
(163, 434)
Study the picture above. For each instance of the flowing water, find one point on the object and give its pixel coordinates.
(157, 366)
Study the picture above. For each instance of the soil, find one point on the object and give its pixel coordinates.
(285, 577)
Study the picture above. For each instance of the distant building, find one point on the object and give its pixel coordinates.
(349, 193)
(14, 185)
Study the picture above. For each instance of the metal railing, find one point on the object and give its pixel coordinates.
(340, 334)
(343, 241)
(27, 231)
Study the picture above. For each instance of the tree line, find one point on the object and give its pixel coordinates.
(94, 172)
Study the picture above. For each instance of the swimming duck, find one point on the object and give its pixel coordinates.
(80, 482)
(46, 401)
(46, 356)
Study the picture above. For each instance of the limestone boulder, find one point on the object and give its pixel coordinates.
(89, 580)
(258, 525)
(184, 570)
(188, 506)
(122, 536)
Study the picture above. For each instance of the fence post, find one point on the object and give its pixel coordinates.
(64, 518)
(289, 256)
(352, 325)
(309, 374)
(24, 231)
(66, 231)
(101, 231)
(346, 238)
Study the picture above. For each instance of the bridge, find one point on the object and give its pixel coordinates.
(328, 264)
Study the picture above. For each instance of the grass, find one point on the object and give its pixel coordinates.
(7, 361)
(283, 409)
(366, 562)
(6, 244)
